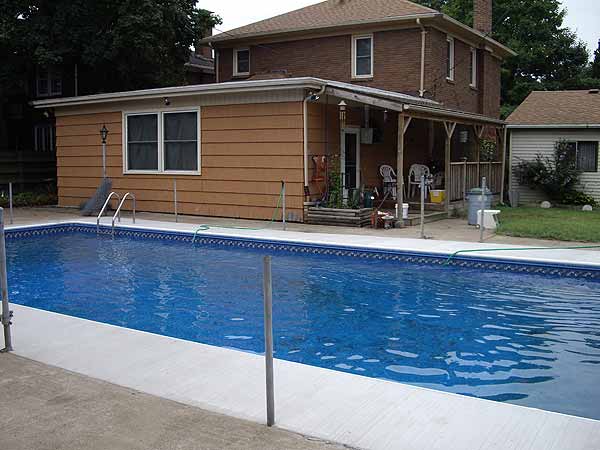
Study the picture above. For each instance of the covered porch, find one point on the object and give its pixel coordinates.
(382, 145)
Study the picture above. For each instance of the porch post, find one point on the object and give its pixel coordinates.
(503, 132)
(479, 133)
(450, 127)
(400, 171)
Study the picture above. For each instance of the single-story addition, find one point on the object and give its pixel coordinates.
(546, 117)
(229, 145)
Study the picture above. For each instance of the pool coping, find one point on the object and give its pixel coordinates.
(567, 262)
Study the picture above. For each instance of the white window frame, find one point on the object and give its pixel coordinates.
(450, 70)
(236, 72)
(39, 130)
(354, 39)
(474, 61)
(576, 144)
(161, 147)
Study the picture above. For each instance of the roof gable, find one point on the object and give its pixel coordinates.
(546, 108)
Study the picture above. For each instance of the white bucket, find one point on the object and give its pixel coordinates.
(404, 210)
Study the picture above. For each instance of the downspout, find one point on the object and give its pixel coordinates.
(423, 37)
(305, 125)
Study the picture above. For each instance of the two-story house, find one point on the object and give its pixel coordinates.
(356, 86)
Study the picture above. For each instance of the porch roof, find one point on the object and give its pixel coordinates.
(395, 101)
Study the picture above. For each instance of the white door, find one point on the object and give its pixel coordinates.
(350, 160)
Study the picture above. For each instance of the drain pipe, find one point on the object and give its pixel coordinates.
(7, 314)
(423, 37)
(311, 97)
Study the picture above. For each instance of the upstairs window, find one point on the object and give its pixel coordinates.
(362, 56)
(48, 83)
(450, 58)
(473, 67)
(241, 62)
(163, 142)
(43, 137)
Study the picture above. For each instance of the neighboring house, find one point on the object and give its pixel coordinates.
(545, 118)
(230, 144)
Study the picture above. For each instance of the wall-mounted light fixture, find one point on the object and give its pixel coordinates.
(342, 107)
(104, 133)
(167, 101)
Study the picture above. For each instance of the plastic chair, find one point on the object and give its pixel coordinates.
(390, 180)
(414, 178)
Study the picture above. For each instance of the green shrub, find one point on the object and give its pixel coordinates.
(29, 199)
(578, 198)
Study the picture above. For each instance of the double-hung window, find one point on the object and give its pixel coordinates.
(44, 137)
(473, 67)
(48, 82)
(241, 62)
(362, 56)
(586, 155)
(450, 58)
(162, 142)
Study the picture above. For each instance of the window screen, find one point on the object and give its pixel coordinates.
(363, 56)
(181, 141)
(587, 156)
(142, 142)
(243, 61)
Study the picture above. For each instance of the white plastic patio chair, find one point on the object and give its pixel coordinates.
(389, 180)
(414, 178)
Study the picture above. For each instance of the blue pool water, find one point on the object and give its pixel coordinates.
(526, 339)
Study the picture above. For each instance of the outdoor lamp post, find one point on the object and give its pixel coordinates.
(103, 135)
(342, 106)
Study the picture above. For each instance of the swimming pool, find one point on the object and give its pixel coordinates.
(501, 332)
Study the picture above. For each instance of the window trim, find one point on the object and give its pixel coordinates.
(161, 144)
(355, 38)
(577, 142)
(474, 63)
(236, 72)
(51, 130)
(49, 75)
(451, 59)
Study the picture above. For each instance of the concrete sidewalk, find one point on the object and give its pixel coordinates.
(44, 407)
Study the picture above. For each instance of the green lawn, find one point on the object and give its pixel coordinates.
(558, 224)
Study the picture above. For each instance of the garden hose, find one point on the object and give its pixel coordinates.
(206, 227)
(517, 249)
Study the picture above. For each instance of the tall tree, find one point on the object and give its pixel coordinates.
(121, 44)
(549, 55)
(596, 63)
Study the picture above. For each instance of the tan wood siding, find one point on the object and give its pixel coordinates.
(246, 151)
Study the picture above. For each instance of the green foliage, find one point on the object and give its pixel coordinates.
(595, 69)
(549, 55)
(118, 44)
(578, 198)
(487, 149)
(29, 199)
(335, 197)
(556, 177)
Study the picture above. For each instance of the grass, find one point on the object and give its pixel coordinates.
(554, 223)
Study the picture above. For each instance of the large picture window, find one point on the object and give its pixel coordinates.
(162, 142)
(362, 56)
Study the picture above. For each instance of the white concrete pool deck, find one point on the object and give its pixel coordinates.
(357, 411)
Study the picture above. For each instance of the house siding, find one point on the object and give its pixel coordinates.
(247, 149)
(396, 66)
(526, 144)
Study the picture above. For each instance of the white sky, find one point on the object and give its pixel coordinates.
(583, 15)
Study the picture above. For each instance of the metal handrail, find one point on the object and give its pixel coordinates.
(118, 211)
(108, 199)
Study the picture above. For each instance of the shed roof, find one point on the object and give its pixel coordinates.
(557, 109)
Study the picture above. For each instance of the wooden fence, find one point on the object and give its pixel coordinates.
(26, 168)
(465, 176)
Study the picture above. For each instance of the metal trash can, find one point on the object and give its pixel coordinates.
(478, 201)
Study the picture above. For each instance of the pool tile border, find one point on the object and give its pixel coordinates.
(470, 262)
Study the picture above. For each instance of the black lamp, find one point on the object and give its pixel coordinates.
(104, 133)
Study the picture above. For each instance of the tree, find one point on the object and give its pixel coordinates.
(119, 44)
(549, 55)
(596, 64)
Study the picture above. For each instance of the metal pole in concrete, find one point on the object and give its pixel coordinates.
(6, 316)
(103, 158)
(175, 198)
(268, 306)
(283, 213)
(481, 226)
(422, 206)
(10, 202)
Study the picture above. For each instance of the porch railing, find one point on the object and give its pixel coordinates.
(465, 176)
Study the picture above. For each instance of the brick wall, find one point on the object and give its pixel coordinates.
(397, 56)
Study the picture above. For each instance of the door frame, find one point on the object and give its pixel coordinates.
(356, 132)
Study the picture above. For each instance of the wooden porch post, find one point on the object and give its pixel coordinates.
(403, 124)
(450, 127)
(502, 134)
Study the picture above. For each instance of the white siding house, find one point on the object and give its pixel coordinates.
(545, 118)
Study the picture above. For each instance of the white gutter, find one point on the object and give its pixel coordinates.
(423, 37)
(453, 113)
(558, 125)
(305, 128)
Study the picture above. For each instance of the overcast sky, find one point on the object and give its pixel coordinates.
(583, 15)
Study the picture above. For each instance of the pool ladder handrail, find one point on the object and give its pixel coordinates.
(106, 203)
(118, 211)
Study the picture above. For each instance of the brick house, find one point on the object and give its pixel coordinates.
(349, 85)
(392, 45)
